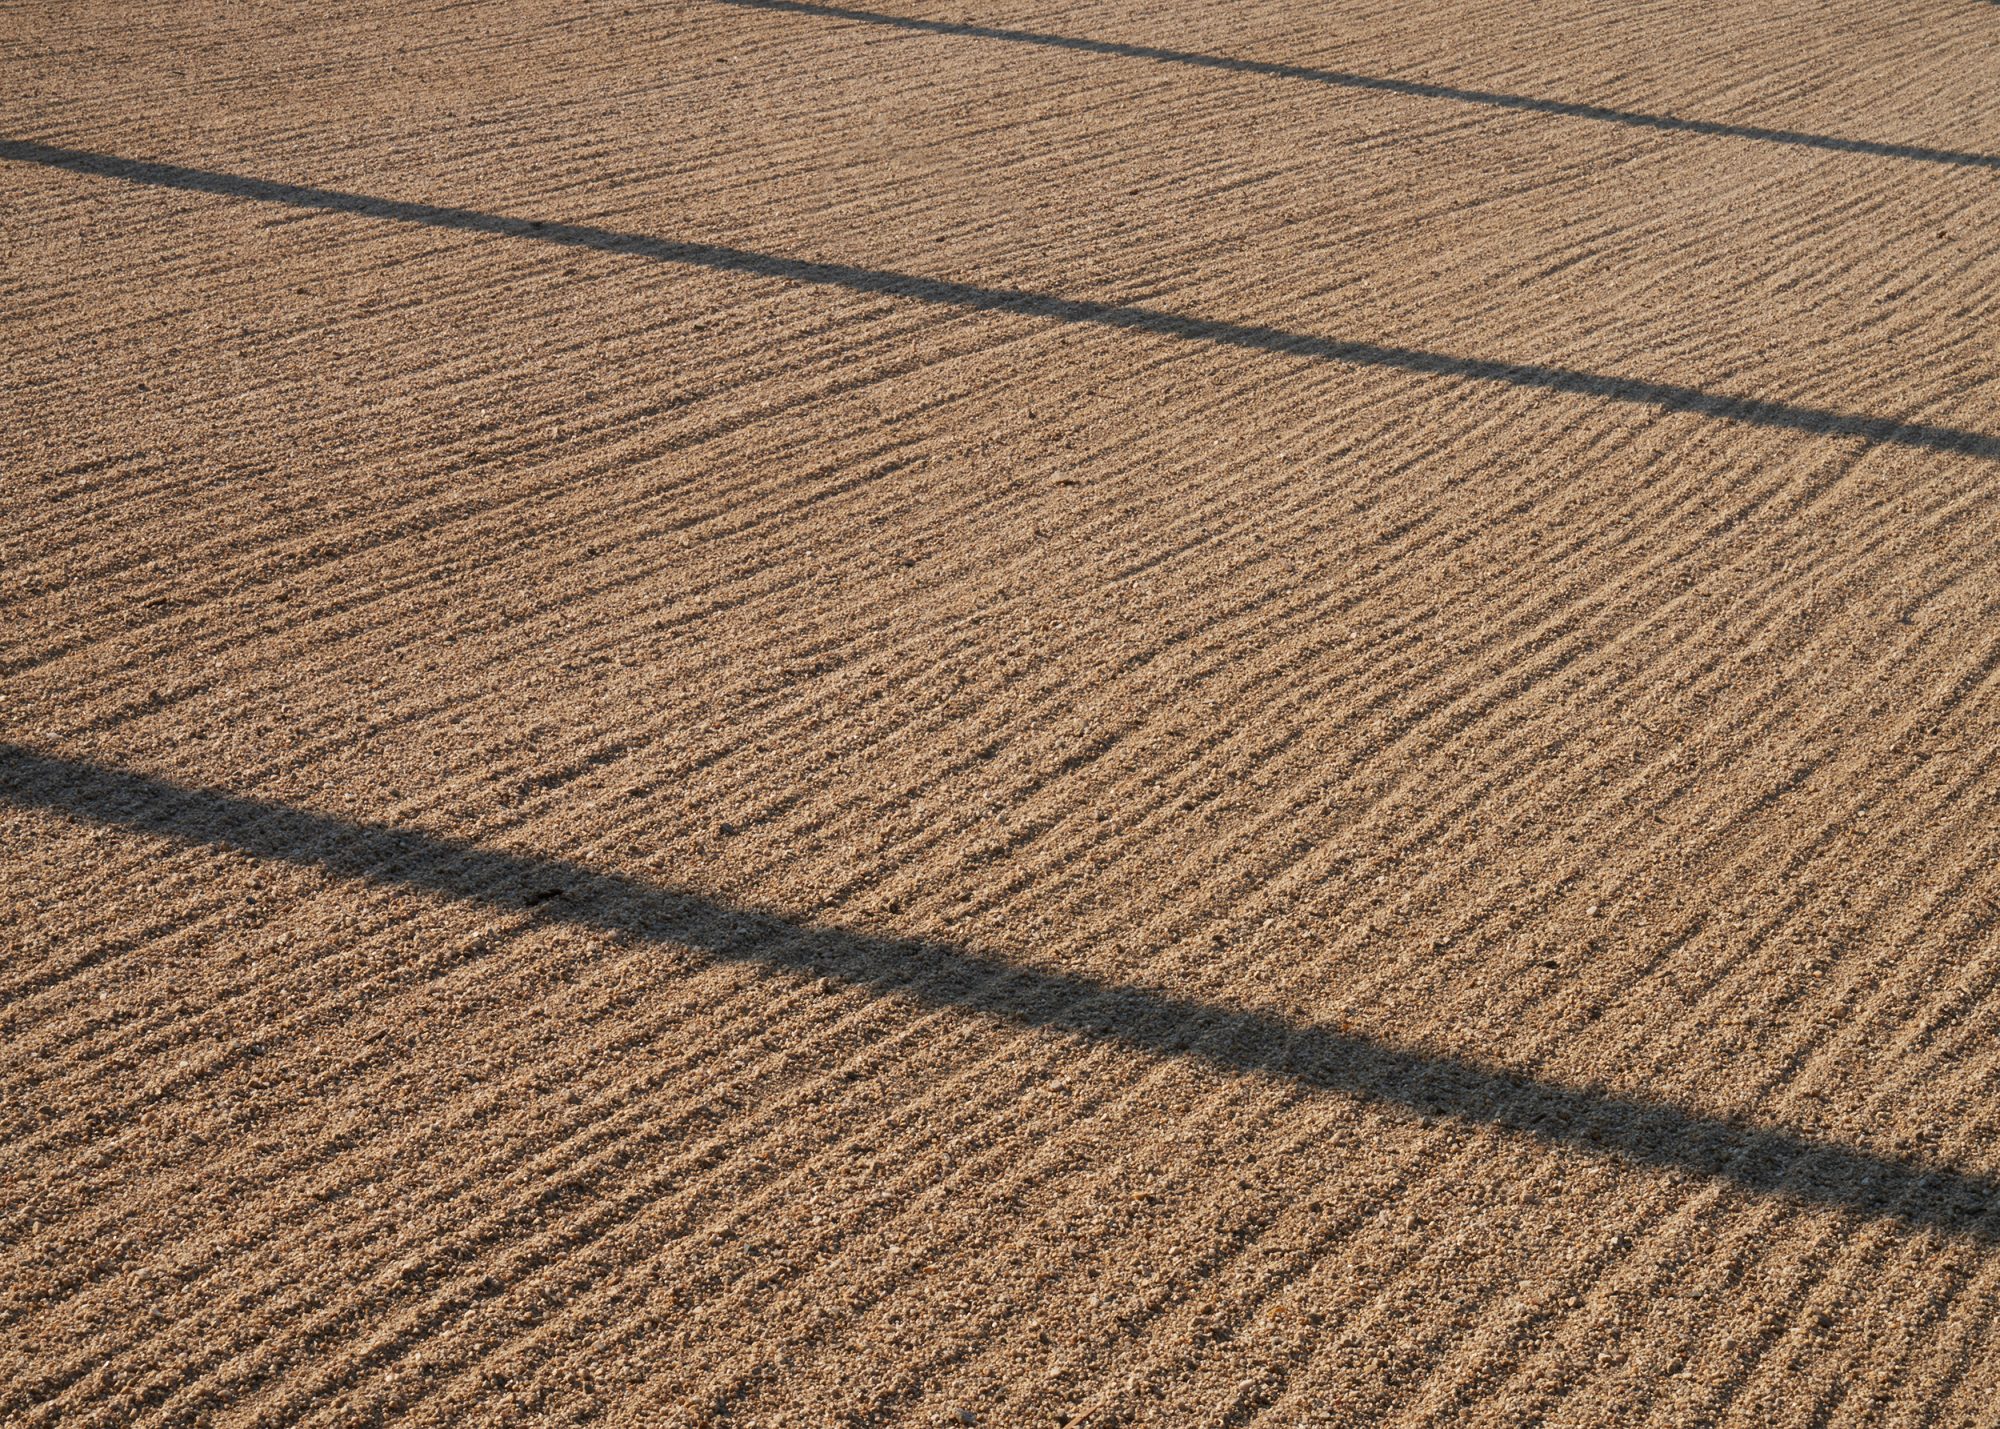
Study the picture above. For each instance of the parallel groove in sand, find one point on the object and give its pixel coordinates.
(712, 547)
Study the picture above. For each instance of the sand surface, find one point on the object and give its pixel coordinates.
(736, 712)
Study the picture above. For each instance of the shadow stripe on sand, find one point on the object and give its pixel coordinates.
(1412, 88)
(1663, 396)
(1151, 1020)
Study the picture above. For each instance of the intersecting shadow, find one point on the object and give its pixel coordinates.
(1150, 1020)
(1665, 396)
(1419, 89)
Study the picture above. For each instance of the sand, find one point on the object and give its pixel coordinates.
(743, 712)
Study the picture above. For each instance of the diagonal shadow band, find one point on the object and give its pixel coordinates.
(1418, 89)
(1148, 1020)
(1664, 396)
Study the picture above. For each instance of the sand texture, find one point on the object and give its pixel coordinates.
(744, 712)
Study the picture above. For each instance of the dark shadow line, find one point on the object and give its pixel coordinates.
(1665, 396)
(939, 975)
(1419, 89)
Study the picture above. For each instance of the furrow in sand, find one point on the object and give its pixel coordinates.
(796, 512)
